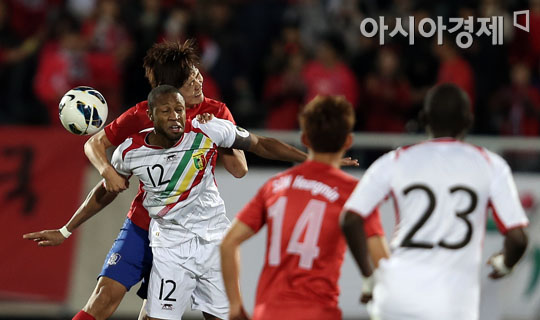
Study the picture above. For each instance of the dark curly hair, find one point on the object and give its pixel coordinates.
(170, 63)
(447, 111)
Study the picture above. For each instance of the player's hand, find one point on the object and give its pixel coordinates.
(366, 297)
(46, 238)
(237, 313)
(500, 270)
(114, 182)
(349, 162)
(204, 117)
(368, 283)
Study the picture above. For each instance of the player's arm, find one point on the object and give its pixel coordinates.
(96, 200)
(229, 136)
(274, 149)
(96, 151)
(352, 226)
(376, 241)
(230, 266)
(378, 249)
(360, 218)
(510, 218)
(130, 122)
(515, 244)
(234, 161)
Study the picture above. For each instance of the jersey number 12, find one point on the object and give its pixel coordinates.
(310, 220)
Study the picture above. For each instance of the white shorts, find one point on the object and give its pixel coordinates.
(422, 292)
(188, 274)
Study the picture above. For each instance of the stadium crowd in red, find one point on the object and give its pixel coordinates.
(265, 59)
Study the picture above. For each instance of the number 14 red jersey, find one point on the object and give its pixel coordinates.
(305, 246)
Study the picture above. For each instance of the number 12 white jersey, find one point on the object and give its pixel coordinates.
(181, 195)
(442, 190)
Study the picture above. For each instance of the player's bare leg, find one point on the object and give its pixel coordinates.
(105, 299)
(208, 316)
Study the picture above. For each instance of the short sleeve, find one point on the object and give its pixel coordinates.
(130, 122)
(504, 198)
(373, 187)
(118, 160)
(254, 213)
(222, 132)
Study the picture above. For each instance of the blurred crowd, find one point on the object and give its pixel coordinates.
(266, 58)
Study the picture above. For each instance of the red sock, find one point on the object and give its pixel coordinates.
(83, 316)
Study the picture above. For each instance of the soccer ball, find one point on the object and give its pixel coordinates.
(83, 110)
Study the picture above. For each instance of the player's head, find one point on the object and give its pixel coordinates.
(176, 64)
(167, 110)
(447, 111)
(327, 123)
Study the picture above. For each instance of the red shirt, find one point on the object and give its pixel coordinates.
(136, 119)
(339, 80)
(305, 245)
(459, 72)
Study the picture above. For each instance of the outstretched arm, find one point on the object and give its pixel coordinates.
(264, 147)
(230, 267)
(274, 149)
(96, 200)
(96, 151)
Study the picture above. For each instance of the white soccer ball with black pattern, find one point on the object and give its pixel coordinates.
(83, 110)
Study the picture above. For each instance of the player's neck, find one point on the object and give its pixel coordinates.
(156, 139)
(460, 137)
(330, 158)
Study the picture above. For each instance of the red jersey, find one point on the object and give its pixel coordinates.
(136, 119)
(303, 258)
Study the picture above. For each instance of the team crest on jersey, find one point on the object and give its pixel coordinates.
(199, 160)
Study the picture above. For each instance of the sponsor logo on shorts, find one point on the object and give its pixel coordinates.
(167, 306)
(114, 258)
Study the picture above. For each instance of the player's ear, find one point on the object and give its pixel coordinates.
(149, 113)
(305, 140)
(348, 141)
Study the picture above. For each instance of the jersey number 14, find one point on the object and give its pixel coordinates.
(310, 220)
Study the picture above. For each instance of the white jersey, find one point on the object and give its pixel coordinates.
(181, 195)
(441, 189)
